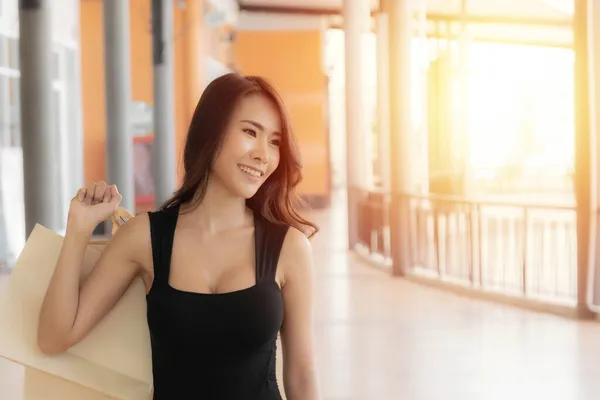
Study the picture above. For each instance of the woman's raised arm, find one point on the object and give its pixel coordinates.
(71, 308)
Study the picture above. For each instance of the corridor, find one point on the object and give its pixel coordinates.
(383, 338)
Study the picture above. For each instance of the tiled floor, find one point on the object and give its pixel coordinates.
(382, 338)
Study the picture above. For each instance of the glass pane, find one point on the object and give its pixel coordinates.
(56, 64)
(13, 53)
(15, 111)
(57, 107)
(4, 107)
(3, 51)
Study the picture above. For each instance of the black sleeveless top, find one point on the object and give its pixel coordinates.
(215, 346)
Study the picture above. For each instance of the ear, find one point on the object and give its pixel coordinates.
(119, 217)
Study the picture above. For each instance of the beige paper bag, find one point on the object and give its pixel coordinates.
(113, 359)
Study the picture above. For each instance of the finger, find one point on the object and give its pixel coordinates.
(89, 193)
(81, 194)
(99, 192)
(107, 195)
(115, 195)
(114, 192)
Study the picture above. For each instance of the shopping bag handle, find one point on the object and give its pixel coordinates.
(119, 217)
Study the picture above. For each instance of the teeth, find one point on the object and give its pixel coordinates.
(250, 171)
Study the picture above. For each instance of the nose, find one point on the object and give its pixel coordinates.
(260, 153)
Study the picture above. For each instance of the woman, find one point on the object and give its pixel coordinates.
(226, 261)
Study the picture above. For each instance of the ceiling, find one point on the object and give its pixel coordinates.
(551, 9)
(542, 22)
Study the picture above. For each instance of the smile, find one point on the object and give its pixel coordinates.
(250, 170)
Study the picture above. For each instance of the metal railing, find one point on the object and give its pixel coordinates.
(520, 250)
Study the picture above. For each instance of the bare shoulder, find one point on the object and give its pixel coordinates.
(134, 232)
(296, 243)
(296, 258)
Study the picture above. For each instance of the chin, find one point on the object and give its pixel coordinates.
(248, 195)
(246, 192)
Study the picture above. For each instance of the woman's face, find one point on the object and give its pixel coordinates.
(250, 150)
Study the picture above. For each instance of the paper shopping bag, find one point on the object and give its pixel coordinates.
(114, 358)
(37, 385)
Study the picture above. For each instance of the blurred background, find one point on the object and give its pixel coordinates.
(450, 155)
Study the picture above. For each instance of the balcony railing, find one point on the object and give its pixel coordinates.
(520, 250)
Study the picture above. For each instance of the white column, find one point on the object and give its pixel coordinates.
(76, 173)
(117, 65)
(594, 84)
(165, 172)
(383, 99)
(400, 38)
(355, 13)
(41, 164)
(584, 150)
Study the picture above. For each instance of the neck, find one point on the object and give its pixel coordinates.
(219, 210)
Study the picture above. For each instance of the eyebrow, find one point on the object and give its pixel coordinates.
(259, 126)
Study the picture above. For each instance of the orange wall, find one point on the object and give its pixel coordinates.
(292, 62)
(92, 77)
(188, 73)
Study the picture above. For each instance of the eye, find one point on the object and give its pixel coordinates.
(276, 142)
(250, 132)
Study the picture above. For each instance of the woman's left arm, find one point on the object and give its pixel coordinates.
(297, 332)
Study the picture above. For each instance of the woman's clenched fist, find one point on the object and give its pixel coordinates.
(92, 205)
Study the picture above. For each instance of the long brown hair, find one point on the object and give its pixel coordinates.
(276, 199)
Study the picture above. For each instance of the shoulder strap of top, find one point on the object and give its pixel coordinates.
(268, 242)
(162, 231)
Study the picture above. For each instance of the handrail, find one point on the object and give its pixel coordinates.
(488, 203)
(475, 201)
(467, 240)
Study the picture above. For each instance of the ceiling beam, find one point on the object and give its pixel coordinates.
(431, 16)
(290, 10)
(489, 39)
(501, 20)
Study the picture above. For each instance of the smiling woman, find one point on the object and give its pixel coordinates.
(250, 146)
(223, 260)
(243, 121)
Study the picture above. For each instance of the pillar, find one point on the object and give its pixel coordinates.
(383, 99)
(400, 35)
(583, 153)
(594, 45)
(462, 140)
(75, 122)
(117, 66)
(41, 166)
(355, 13)
(164, 102)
